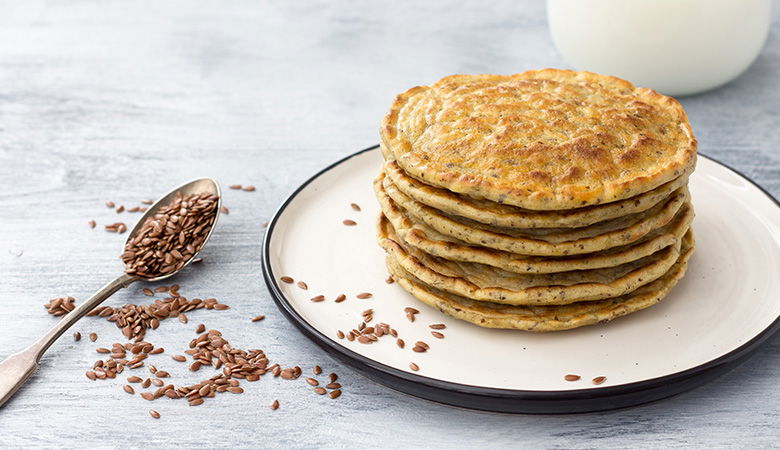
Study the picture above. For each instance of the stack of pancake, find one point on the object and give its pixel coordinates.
(539, 201)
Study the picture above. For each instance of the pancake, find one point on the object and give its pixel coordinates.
(486, 283)
(545, 318)
(544, 242)
(496, 214)
(541, 140)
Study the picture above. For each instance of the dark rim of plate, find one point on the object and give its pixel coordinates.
(509, 400)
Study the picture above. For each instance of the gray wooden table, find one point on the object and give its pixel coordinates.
(111, 100)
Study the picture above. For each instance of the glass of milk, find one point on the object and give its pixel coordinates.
(677, 47)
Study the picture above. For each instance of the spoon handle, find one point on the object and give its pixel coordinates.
(17, 368)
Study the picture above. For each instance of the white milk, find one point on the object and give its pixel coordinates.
(676, 47)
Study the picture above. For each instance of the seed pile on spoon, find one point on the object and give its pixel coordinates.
(171, 236)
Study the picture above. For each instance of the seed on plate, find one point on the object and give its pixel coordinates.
(571, 377)
(179, 358)
(599, 380)
(303, 285)
(317, 370)
(248, 188)
(319, 391)
(400, 342)
(340, 298)
(154, 414)
(318, 298)
(129, 389)
(364, 295)
(389, 280)
(349, 222)
(437, 326)
(340, 334)
(335, 394)
(414, 366)
(76, 336)
(275, 405)
(235, 186)
(422, 344)
(92, 224)
(437, 335)
(355, 206)
(418, 349)
(110, 204)
(410, 310)
(312, 382)
(351, 336)
(287, 280)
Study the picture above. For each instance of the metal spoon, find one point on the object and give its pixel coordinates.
(17, 368)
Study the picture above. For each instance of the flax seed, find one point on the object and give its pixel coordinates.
(340, 334)
(235, 186)
(335, 394)
(437, 326)
(91, 375)
(571, 377)
(319, 391)
(133, 379)
(183, 318)
(147, 396)
(76, 336)
(275, 405)
(355, 206)
(599, 380)
(201, 328)
(400, 343)
(317, 299)
(178, 358)
(120, 208)
(340, 298)
(287, 280)
(146, 383)
(389, 280)
(303, 285)
(258, 318)
(364, 295)
(248, 188)
(129, 389)
(312, 382)
(154, 414)
(110, 204)
(92, 224)
(349, 222)
(437, 335)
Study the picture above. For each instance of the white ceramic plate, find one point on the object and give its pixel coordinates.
(726, 305)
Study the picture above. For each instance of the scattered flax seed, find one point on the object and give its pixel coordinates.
(340, 334)
(390, 280)
(437, 326)
(340, 298)
(93, 337)
(110, 204)
(147, 396)
(258, 318)
(335, 394)
(102, 350)
(60, 306)
(571, 377)
(364, 295)
(319, 391)
(303, 285)
(92, 224)
(161, 289)
(147, 292)
(400, 342)
(287, 280)
(157, 351)
(274, 405)
(154, 414)
(333, 386)
(147, 202)
(179, 358)
(197, 260)
(129, 389)
(76, 336)
(91, 375)
(224, 210)
(599, 380)
(349, 222)
(183, 318)
(134, 209)
(312, 382)
(248, 188)
(133, 379)
(414, 366)
(410, 312)
(317, 370)
(200, 328)
(437, 335)
(235, 186)
(355, 206)
(120, 209)
(318, 298)
(146, 383)
(221, 307)
(332, 377)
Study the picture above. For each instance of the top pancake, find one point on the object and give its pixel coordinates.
(541, 140)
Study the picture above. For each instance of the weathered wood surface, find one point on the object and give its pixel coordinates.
(121, 100)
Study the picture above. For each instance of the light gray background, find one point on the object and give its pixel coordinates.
(118, 100)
